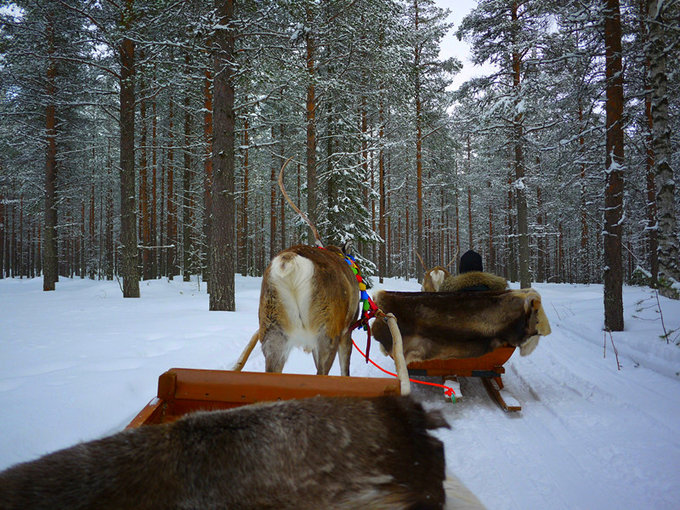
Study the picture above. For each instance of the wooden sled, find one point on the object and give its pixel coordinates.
(181, 391)
(464, 334)
(488, 368)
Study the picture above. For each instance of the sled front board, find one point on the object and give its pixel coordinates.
(181, 391)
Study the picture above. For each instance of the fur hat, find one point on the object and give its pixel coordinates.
(471, 261)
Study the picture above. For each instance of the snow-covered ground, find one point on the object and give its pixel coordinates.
(79, 363)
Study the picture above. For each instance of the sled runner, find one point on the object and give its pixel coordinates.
(181, 391)
(488, 368)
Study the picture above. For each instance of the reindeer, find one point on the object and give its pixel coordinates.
(310, 299)
(321, 452)
(435, 276)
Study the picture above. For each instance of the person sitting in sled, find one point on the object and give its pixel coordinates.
(472, 276)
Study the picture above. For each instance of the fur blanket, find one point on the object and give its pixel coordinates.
(322, 452)
(473, 280)
(442, 325)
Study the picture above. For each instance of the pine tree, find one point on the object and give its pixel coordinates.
(668, 252)
(613, 198)
(222, 233)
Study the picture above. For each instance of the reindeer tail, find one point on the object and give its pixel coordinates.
(246, 352)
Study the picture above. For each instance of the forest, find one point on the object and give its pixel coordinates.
(142, 139)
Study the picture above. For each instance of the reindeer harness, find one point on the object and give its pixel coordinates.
(368, 308)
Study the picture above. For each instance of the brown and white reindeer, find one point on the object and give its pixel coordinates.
(434, 277)
(310, 298)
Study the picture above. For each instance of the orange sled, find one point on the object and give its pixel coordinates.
(181, 391)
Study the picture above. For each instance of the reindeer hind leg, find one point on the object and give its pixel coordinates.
(276, 348)
(345, 353)
(324, 353)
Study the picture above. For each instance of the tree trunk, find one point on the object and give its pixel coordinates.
(145, 220)
(583, 252)
(20, 247)
(382, 257)
(668, 251)
(222, 239)
(651, 227)
(468, 162)
(511, 251)
(109, 259)
(311, 123)
(273, 186)
(613, 198)
(457, 230)
(419, 147)
(162, 221)
(92, 224)
(519, 185)
(3, 222)
(50, 263)
(207, 165)
(471, 243)
(282, 201)
(187, 198)
(242, 235)
(491, 257)
(81, 242)
(153, 221)
(128, 216)
(171, 209)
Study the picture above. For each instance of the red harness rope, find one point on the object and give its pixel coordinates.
(368, 311)
(368, 307)
(448, 391)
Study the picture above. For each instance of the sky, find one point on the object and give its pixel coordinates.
(452, 47)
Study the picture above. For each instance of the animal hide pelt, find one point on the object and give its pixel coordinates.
(343, 453)
(446, 325)
(472, 279)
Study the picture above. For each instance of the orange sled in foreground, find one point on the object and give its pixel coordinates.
(181, 391)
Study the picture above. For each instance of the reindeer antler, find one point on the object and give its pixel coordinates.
(455, 257)
(421, 261)
(295, 208)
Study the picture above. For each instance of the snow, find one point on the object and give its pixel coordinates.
(79, 363)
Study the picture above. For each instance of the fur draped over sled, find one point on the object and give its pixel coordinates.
(473, 280)
(442, 325)
(321, 452)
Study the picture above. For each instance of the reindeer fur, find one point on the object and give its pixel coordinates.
(309, 299)
(454, 283)
(433, 279)
(443, 325)
(341, 453)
